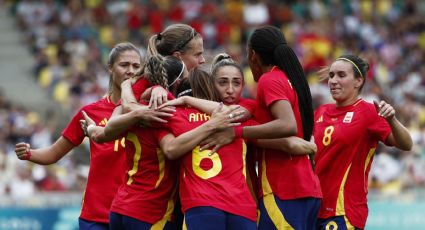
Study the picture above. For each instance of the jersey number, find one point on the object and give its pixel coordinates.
(118, 142)
(327, 135)
(332, 226)
(205, 155)
(138, 152)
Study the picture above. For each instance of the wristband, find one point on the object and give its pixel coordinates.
(238, 131)
(27, 155)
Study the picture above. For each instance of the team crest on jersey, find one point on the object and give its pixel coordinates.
(320, 119)
(348, 117)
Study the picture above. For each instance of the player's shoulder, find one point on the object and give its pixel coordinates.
(325, 107)
(366, 106)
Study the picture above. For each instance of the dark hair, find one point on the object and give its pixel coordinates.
(222, 60)
(184, 89)
(201, 83)
(116, 52)
(360, 66)
(163, 71)
(270, 44)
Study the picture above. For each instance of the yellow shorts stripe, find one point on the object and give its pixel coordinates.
(275, 214)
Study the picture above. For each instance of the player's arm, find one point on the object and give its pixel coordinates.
(283, 125)
(175, 147)
(206, 106)
(293, 145)
(128, 100)
(399, 136)
(44, 156)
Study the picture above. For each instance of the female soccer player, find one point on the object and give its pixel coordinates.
(213, 189)
(145, 200)
(290, 191)
(228, 80)
(107, 160)
(179, 40)
(347, 133)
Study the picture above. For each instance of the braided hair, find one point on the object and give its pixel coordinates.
(164, 71)
(156, 73)
(271, 46)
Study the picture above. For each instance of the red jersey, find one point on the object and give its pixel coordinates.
(107, 162)
(141, 85)
(217, 180)
(147, 193)
(346, 139)
(248, 104)
(283, 174)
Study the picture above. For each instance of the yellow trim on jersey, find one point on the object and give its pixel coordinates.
(275, 214)
(167, 216)
(348, 224)
(161, 164)
(244, 158)
(133, 138)
(340, 209)
(369, 156)
(184, 227)
(264, 181)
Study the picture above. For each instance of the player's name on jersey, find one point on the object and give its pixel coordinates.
(195, 117)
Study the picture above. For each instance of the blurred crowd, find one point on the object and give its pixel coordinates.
(70, 41)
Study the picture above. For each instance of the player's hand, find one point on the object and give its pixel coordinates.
(174, 102)
(218, 140)
(86, 122)
(225, 117)
(23, 151)
(384, 110)
(148, 115)
(158, 97)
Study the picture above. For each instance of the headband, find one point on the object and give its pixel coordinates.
(354, 64)
(179, 76)
(183, 93)
(182, 45)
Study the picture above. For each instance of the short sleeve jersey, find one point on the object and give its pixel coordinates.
(107, 162)
(147, 193)
(212, 179)
(286, 175)
(346, 138)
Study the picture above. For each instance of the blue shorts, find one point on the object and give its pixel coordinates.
(91, 225)
(209, 218)
(334, 223)
(300, 214)
(118, 221)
